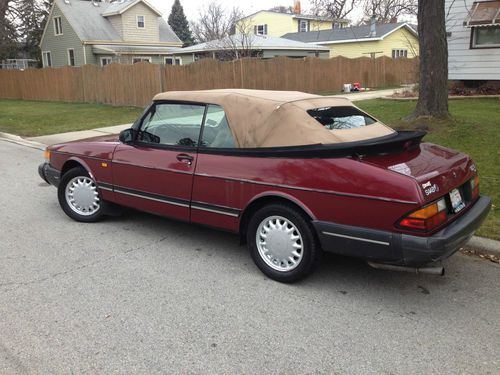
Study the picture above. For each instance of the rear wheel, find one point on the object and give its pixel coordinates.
(282, 242)
(79, 197)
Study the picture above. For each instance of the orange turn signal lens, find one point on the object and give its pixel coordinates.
(425, 212)
(46, 154)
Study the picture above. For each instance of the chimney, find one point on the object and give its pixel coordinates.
(373, 27)
(296, 7)
(394, 20)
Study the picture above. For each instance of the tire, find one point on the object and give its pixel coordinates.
(84, 206)
(289, 252)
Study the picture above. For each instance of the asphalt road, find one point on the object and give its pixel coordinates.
(143, 294)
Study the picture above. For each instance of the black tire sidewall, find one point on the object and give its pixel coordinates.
(68, 176)
(310, 250)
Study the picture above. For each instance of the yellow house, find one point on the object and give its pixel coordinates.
(267, 22)
(396, 40)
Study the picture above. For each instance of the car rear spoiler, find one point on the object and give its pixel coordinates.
(401, 140)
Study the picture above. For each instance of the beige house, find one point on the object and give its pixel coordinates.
(396, 40)
(266, 22)
(86, 32)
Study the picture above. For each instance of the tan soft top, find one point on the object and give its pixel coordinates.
(261, 118)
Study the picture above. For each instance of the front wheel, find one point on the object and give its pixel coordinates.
(282, 243)
(79, 197)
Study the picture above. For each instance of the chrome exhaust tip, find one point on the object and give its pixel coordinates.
(436, 270)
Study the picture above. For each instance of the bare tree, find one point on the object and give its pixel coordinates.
(433, 81)
(389, 10)
(334, 8)
(215, 22)
(237, 45)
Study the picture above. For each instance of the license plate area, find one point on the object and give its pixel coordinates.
(457, 202)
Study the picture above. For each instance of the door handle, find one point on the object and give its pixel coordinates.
(185, 158)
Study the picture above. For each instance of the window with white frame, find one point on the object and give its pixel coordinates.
(141, 22)
(140, 59)
(399, 53)
(303, 26)
(260, 29)
(58, 26)
(106, 60)
(71, 57)
(486, 37)
(46, 59)
(173, 61)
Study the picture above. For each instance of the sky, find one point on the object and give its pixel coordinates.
(192, 7)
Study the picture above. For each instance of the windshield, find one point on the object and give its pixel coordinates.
(334, 118)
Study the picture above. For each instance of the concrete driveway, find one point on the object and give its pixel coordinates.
(143, 294)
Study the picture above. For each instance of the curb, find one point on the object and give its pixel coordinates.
(21, 141)
(485, 245)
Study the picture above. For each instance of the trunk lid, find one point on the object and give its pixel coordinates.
(437, 169)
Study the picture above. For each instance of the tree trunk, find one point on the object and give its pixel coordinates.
(433, 82)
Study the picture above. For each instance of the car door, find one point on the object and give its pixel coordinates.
(154, 173)
(216, 199)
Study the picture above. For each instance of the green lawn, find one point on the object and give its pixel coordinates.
(473, 129)
(33, 118)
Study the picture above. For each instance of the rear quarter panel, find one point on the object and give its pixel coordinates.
(340, 190)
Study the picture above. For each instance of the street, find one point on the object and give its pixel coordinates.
(144, 294)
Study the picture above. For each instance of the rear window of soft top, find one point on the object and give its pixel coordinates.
(343, 117)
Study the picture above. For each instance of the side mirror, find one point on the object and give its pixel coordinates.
(127, 136)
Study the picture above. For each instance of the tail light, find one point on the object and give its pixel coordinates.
(426, 218)
(474, 187)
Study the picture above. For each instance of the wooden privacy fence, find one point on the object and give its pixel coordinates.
(136, 84)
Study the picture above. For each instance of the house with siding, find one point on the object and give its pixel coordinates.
(396, 40)
(89, 32)
(273, 23)
(473, 33)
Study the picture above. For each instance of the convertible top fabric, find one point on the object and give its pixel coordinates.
(261, 118)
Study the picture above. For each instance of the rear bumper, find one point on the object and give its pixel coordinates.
(49, 174)
(402, 249)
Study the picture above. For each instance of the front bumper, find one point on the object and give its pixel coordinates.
(49, 174)
(402, 249)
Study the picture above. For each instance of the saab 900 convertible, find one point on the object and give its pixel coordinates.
(294, 174)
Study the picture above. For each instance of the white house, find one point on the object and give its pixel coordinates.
(473, 31)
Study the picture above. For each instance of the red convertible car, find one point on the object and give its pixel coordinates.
(294, 174)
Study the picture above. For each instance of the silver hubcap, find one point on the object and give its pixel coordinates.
(279, 243)
(82, 196)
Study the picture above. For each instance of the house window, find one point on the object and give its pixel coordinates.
(141, 22)
(58, 26)
(303, 26)
(46, 59)
(486, 37)
(173, 61)
(260, 29)
(141, 58)
(106, 60)
(399, 53)
(71, 57)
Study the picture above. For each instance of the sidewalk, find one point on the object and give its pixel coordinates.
(365, 95)
(74, 136)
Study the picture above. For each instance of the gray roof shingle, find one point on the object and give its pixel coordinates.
(349, 33)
